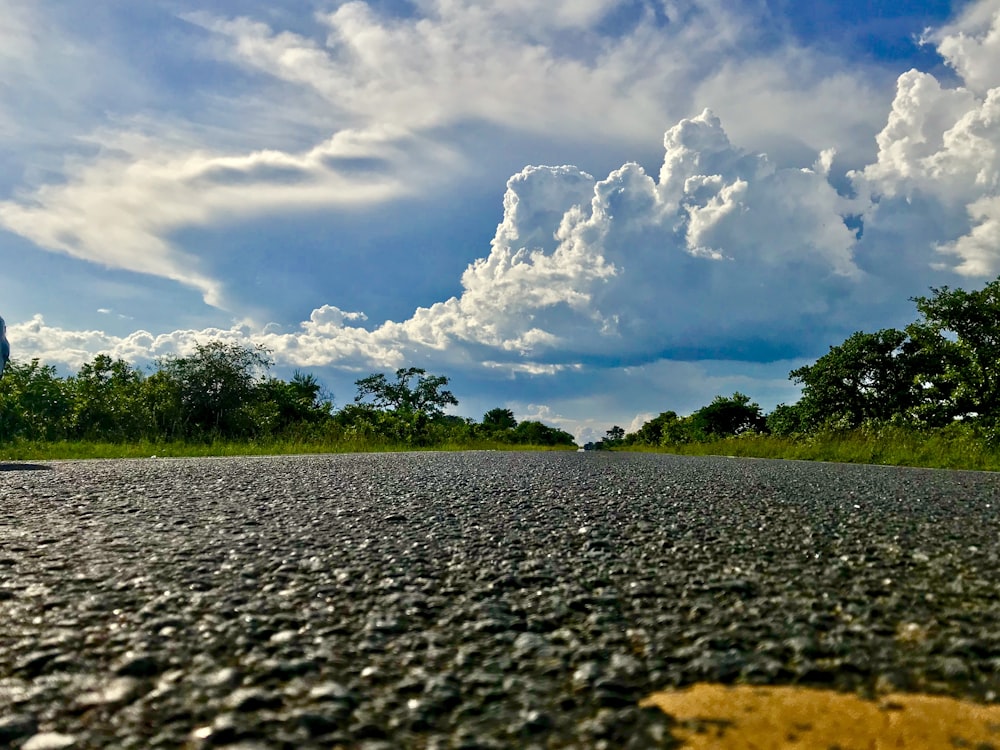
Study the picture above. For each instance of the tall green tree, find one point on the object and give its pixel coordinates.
(280, 405)
(664, 429)
(959, 338)
(499, 419)
(413, 390)
(785, 420)
(869, 377)
(728, 415)
(35, 403)
(614, 436)
(161, 399)
(531, 432)
(108, 402)
(402, 410)
(212, 392)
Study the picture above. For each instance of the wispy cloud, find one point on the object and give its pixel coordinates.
(120, 209)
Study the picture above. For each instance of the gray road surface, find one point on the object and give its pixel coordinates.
(473, 600)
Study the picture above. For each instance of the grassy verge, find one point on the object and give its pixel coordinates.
(943, 449)
(889, 446)
(62, 450)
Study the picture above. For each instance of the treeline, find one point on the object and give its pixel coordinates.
(941, 372)
(225, 392)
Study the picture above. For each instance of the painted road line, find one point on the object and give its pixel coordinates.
(749, 717)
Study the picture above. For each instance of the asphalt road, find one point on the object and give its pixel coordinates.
(473, 600)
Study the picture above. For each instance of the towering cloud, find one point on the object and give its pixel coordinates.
(626, 268)
(630, 267)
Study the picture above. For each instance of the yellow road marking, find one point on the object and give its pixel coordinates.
(747, 717)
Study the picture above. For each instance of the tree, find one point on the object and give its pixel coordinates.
(871, 376)
(107, 400)
(614, 436)
(531, 432)
(499, 419)
(161, 398)
(281, 405)
(213, 390)
(665, 429)
(959, 339)
(219, 391)
(727, 416)
(785, 420)
(400, 411)
(35, 404)
(424, 397)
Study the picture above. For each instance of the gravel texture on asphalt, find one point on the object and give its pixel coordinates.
(473, 600)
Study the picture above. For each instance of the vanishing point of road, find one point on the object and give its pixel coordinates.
(475, 600)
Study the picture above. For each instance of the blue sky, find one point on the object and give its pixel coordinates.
(588, 211)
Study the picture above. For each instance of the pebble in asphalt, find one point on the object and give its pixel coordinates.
(474, 600)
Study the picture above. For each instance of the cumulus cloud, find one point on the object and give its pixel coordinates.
(627, 267)
(708, 256)
(971, 45)
(631, 267)
(58, 346)
(978, 250)
(939, 154)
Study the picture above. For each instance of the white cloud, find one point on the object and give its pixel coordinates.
(121, 209)
(927, 144)
(795, 103)
(692, 252)
(940, 151)
(515, 64)
(628, 266)
(58, 346)
(971, 45)
(979, 250)
(457, 62)
(533, 68)
(622, 267)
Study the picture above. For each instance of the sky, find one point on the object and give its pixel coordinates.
(586, 211)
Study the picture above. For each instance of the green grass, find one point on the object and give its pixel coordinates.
(940, 449)
(943, 449)
(63, 450)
